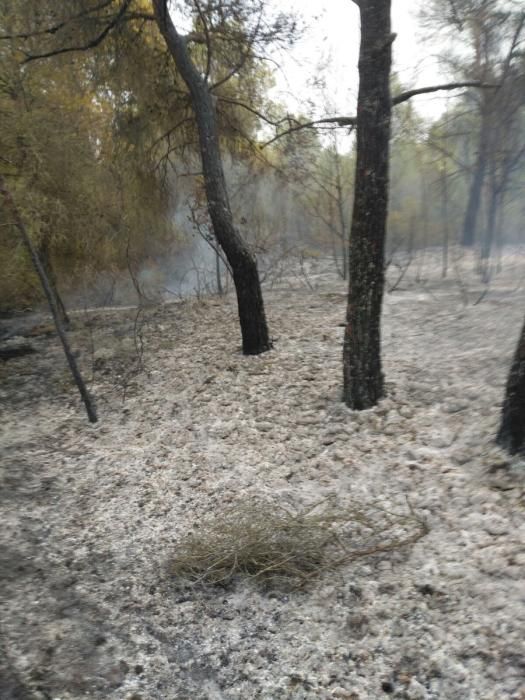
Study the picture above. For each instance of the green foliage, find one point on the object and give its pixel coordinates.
(86, 189)
(91, 139)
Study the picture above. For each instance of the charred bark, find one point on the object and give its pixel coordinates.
(511, 434)
(254, 329)
(363, 376)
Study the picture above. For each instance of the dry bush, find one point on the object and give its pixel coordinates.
(266, 540)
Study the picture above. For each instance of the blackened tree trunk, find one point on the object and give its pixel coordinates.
(51, 299)
(254, 329)
(511, 435)
(44, 255)
(363, 376)
(470, 221)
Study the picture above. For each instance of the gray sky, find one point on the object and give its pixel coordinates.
(333, 35)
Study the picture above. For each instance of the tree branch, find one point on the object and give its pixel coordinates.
(60, 25)
(396, 100)
(328, 121)
(408, 94)
(90, 44)
(257, 113)
(205, 27)
(243, 58)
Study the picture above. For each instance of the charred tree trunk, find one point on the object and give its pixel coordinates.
(470, 221)
(511, 435)
(445, 224)
(363, 376)
(79, 381)
(44, 255)
(254, 329)
(486, 244)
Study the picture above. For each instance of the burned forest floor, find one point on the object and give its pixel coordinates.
(92, 515)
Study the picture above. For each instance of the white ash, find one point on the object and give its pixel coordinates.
(92, 514)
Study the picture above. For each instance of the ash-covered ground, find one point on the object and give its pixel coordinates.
(92, 514)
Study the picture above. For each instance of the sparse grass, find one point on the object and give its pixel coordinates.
(261, 539)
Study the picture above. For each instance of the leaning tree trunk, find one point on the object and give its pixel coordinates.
(51, 299)
(511, 435)
(254, 329)
(44, 254)
(363, 376)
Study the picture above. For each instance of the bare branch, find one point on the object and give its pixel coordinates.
(244, 56)
(396, 100)
(514, 44)
(90, 44)
(408, 94)
(170, 131)
(254, 111)
(327, 121)
(60, 25)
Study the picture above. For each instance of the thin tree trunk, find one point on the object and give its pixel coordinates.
(511, 434)
(254, 329)
(470, 220)
(220, 290)
(486, 244)
(86, 398)
(342, 218)
(499, 234)
(44, 256)
(424, 221)
(411, 236)
(444, 219)
(363, 376)
(333, 237)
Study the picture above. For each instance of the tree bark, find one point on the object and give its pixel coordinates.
(362, 371)
(254, 329)
(511, 434)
